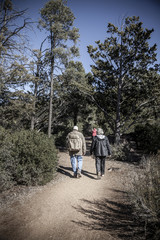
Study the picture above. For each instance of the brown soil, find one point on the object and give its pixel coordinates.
(69, 208)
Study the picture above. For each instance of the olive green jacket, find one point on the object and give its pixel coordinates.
(82, 151)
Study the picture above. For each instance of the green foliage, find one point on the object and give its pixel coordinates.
(119, 152)
(7, 163)
(124, 76)
(146, 195)
(74, 76)
(27, 157)
(16, 110)
(58, 20)
(60, 135)
(148, 137)
(74, 108)
(15, 103)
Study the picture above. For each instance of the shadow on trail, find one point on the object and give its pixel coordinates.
(88, 174)
(68, 172)
(88, 145)
(113, 217)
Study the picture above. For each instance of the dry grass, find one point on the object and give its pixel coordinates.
(145, 194)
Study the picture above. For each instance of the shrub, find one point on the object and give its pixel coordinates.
(118, 152)
(146, 195)
(148, 137)
(26, 157)
(121, 152)
(6, 165)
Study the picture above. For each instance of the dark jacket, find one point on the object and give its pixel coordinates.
(100, 146)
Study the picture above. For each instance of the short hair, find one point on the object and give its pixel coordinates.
(100, 131)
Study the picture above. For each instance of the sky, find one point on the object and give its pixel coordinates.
(93, 16)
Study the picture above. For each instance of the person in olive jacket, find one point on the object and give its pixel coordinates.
(76, 156)
(100, 147)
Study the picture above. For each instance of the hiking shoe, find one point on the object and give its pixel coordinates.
(79, 174)
(98, 176)
(109, 169)
(75, 175)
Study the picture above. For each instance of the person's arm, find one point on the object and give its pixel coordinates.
(67, 142)
(108, 146)
(92, 146)
(67, 139)
(83, 145)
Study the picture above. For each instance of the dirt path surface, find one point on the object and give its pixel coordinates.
(72, 209)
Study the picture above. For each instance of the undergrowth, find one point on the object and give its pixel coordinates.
(146, 195)
(26, 157)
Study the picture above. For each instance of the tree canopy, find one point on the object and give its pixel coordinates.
(125, 78)
(57, 19)
(48, 90)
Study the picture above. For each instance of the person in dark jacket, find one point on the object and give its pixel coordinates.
(101, 148)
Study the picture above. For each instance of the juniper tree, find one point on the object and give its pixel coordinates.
(12, 23)
(73, 77)
(38, 87)
(124, 75)
(57, 19)
(13, 72)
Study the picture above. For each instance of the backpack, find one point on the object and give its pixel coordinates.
(74, 142)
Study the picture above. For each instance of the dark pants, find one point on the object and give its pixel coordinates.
(100, 165)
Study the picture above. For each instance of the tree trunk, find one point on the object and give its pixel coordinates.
(34, 107)
(50, 105)
(33, 117)
(118, 110)
(35, 98)
(51, 87)
(117, 123)
(118, 113)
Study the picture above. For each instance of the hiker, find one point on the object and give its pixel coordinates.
(77, 147)
(94, 133)
(101, 148)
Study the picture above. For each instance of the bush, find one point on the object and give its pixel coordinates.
(121, 152)
(148, 137)
(118, 152)
(26, 157)
(146, 195)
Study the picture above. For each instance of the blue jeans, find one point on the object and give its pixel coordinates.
(74, 160)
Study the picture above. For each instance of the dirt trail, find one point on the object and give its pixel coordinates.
(69, 208)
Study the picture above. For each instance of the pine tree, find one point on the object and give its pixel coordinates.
(57, 19)
(74, 78)
(124, 75)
